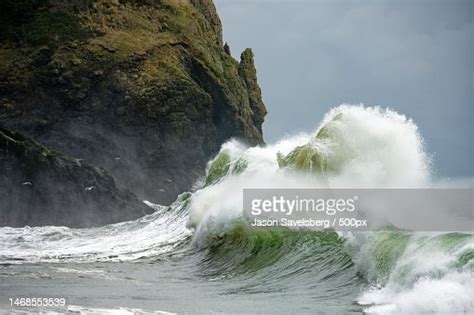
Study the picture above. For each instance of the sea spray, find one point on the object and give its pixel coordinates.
(158, 234)
(354, 146)
(434, 274)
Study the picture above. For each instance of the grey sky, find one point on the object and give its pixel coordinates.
(413, 56)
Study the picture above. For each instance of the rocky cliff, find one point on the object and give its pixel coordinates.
(143, 89)
(39, 186)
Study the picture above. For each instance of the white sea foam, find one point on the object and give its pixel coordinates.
(378, 149)
(373, 148)
(430, 277)
(153, 235)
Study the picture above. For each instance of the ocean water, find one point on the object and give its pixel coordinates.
(197, 256)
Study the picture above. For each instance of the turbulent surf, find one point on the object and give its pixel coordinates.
(200, 246)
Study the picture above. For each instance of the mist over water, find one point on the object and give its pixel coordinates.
(201, 238)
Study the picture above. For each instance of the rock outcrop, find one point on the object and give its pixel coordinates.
(143, 89)
(38, 186)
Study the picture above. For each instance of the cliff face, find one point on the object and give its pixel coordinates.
(143, 89)
(38, 186)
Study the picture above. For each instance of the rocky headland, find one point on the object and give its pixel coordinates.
(131, 97)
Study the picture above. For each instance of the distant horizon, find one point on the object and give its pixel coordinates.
(312, 56)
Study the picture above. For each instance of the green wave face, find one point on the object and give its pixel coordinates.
(304, 158)
(223, 165)
(325, 154)
(353, 146)
(379, 254)
(385, 255)
(438, 255)
(218, 168)
(260, 261)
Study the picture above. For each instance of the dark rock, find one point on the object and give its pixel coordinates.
(249, 75)
(38, 186)
(146, 81)
(227, 49)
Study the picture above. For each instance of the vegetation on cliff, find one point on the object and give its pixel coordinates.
(143, 89)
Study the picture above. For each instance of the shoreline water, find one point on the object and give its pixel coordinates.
(197, 255)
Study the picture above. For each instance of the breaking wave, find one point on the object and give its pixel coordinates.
(353, 147)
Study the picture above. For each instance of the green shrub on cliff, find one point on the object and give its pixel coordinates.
(54, 29)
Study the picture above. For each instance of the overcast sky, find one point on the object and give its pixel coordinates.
(413, 56)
